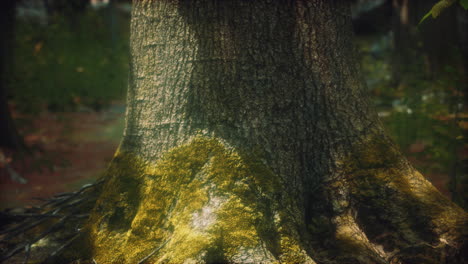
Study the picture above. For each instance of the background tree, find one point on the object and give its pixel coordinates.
(436, 50)
(9, 137)
(441, 41)
(71, 9)
(249, 138)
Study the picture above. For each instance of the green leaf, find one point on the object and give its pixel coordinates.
(425, 17)
(464, 4)
(438, 8)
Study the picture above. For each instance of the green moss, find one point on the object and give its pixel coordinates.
(292, 252)
(202, 201)
(397, 200)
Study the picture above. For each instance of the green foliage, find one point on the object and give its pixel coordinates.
(464, 4)
(440, 6)
(431, 121)
(423, 114)
(68, 63)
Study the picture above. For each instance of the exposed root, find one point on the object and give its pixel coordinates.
(355, 242)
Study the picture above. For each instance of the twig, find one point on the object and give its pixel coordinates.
(28, 253)
(14, 231)
(62, 198)
(20, 228)
(12, 252)
(66, 244)
(34, 240)
(143, 260)
(46, 215)
(56, 204)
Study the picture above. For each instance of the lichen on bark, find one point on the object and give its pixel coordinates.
(205, 201)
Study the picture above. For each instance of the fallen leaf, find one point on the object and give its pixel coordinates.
(38, 47)
(463, 125)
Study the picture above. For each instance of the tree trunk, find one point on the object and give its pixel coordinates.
(9, 137)
(249, 139)
(404, 42)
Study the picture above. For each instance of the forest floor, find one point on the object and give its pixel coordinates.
(67, 149)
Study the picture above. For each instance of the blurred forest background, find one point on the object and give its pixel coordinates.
(64, 78)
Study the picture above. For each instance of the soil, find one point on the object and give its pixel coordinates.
(67, 150)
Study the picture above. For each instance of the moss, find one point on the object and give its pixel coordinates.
(377, 164)
(397, 200)
(203, 201)
(292, 252)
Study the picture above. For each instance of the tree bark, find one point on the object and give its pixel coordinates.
(249, 139)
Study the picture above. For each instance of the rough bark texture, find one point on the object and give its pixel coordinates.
(249, 139)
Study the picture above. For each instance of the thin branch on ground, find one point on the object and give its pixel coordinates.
(53, 217)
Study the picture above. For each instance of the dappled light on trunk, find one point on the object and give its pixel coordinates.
(249, 138)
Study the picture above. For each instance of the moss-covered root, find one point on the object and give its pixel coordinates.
(352, 244)
(208, 202)
(202, 202)
(401, 211)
